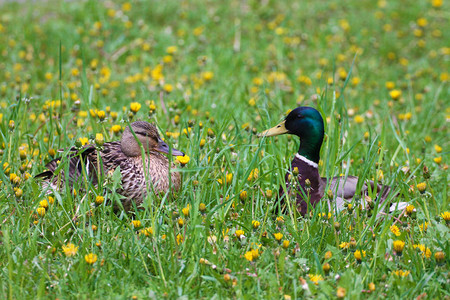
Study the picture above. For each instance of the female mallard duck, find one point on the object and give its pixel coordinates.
(307, 124)
(127, 155)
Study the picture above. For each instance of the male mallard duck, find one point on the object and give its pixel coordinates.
(307, 124)
(125, 154)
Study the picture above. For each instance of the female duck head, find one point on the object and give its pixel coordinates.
(306, 123)
(149, 138)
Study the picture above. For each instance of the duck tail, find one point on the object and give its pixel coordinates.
(75, 168)
(45, 175)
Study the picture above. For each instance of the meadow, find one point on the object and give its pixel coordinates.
(211, 75)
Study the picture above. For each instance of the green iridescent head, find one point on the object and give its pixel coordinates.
(306, 123)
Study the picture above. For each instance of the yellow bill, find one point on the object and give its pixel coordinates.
(277, 130)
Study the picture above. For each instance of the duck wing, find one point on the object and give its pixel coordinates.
(344, 189)
(75, 166)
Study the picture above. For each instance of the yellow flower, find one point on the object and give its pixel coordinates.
(90, 258)
(254, 174)
(423, 226)
(171, 49)
(359, 119)
(229, 178)
(359, 255)
(255, 253)
(340, 293)
(400, 273)
(438, 148)
(395, 94)
(147, 231)
(439, 256)
(286, 244)
(438, 160)
(183, 159)
(278, 236)
(101, 115)
(83, 140)
(243, 195)
(202, 143)
(185, 210)
(136, 224)
(390, 85)
(398, 246)
(437, 3)
(126, 6)
(70, 249)
(410, 209)
(255, 224)
(395, 230)
(208, 75)
(40, 211)
(135, 107)
(248, 256)
(99, 199)
(239, 233)
(315, 278)
(425, 251)
(168, 87)
(99, 140)
(44, 203)
(446, 216)
(422, 187)
(179, 239)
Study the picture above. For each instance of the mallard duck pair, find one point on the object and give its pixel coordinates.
(136, 171)
(307, 124)
(304, 122)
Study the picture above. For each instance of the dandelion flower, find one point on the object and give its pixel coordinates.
(91, 258)
(395, 94)
(359, 255)
(340, 293)
(135, 107)
(40, 211)
(422, 187)
(99, 140)
(239, 233)
(446, 216)
(439, 257)
(69, 249)
(398, 246)
(255, 224)
(248, 256)
(401, 273)
(395, 230)
(99, 199)
(136, 224)
(148, 231)
(183, 160)
(278, 236)
(185, 211)
(315, 278)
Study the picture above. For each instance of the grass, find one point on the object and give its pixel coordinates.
(211, 75)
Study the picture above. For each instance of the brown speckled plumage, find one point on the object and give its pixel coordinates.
(125, 154)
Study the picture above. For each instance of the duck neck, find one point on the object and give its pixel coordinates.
(310, 147)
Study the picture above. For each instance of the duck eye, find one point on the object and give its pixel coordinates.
(300, 116)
